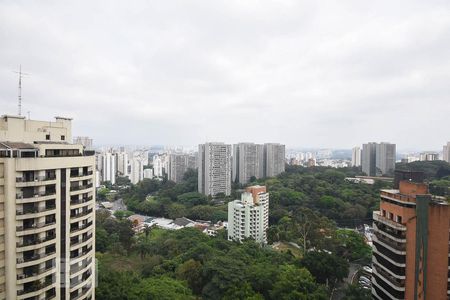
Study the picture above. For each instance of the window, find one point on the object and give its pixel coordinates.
(383, 212)
(391, 216)
(47, 137)
(63, 138)
(399, 219)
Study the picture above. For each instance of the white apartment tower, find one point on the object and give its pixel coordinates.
(274, 155)
(47, 217)
(446, 152)
(356, 157)
(214, 169)
(108, 167)
(248, 162)
(249, 217)
(122, 163)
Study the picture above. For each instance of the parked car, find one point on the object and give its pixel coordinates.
(367, 269)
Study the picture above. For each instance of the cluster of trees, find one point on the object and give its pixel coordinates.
(324, 190)
(187, 264)
(165, 198)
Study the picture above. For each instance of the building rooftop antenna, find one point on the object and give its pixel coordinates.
(20, 87)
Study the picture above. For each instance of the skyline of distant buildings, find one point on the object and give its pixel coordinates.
(249, 160)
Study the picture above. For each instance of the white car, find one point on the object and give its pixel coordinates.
(367, 269)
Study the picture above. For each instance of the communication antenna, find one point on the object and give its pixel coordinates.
(20, 87)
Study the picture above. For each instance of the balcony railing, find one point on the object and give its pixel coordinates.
(80, 201)
(80, 241)
(35, 241)
(35, 287)
(75, 229)
(399, 197)
(34, 257)
(80, 187)
(35, 226)
(401, 247)
(36, 178)
(82, 253)
(34, 210)
(81, 174)
(81, 214)
(378, 217)
(21, 196)
(34, 273)
(75, 269)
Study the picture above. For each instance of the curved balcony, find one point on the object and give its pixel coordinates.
(35, 290)
(77, 203)
(79, 216)
(37, 258)
(395, 247)
(81, 242)
(396, 235)
(394, 271)
(379, 218)
(36, 197)
(29, 244)
(36, 228)
(80, 229)
(75, 268)
(35, 181)
(386, 288)
(76, 283)
(35, 212)
(81, 176)
(85, 292)
(76, 258)
(80, 187)
(35, 275)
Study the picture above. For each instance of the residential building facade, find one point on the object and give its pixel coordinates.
(385, 159)
(411, 242)
(248, 162)
(446, 153)
(274, 155)
(214, 169)
(356, 157)
(179, 164)
(249, 217)
(47, 217)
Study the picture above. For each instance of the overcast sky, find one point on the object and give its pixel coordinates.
(304, 73)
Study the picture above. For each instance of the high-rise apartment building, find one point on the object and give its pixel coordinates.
(274, 155)
(385, 159)
(86, 141)
(179, 164)
(249, 217)
(47, 212)
(411, 242)
(214, 169)
(368, 159)
(356, 157)
(378, 159)
(109, 166)
(248, 162)
(429, 156)
(446, 152)
(122, 163)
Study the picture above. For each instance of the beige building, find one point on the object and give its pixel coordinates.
(47, 217)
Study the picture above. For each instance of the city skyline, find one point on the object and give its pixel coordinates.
(317, 74)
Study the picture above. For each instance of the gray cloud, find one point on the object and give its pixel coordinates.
(305, 73)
